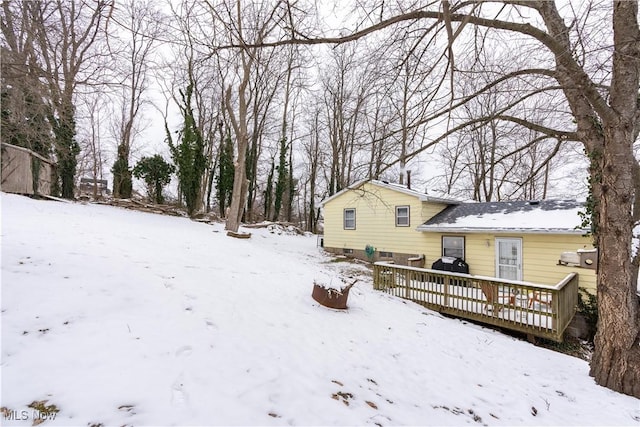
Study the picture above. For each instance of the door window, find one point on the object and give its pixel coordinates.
(509, 259)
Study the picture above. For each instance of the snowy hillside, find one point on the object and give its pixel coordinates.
(115, 317)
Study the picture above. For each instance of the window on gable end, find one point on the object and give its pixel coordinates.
(402, 216)
(349, 219)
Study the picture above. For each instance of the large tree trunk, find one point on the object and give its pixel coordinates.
(616, 359)
(608, 129)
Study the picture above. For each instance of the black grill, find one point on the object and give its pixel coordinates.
(448, 263)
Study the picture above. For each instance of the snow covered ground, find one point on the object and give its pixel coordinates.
(126, 318)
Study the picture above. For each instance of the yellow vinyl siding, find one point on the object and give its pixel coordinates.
(540, 255)
(429, 210)
(432, 247)
(375, 220)
(480, 257)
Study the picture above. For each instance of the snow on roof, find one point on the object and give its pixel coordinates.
(545, 216)
(423, 197)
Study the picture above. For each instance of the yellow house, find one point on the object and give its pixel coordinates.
(532, 241)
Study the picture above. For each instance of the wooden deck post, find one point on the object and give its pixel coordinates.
(555, 313)
(446, 291)
(407, 284)
(377, 270)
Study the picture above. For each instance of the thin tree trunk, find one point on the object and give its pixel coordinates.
(240, 184)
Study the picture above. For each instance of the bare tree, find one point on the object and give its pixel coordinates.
(265, 88)
(312, 155)
(239, 122)
(413, 88)
(139, 25)
(24, 110)
(378, 123)
(91, 161)
(285, 144)
(65, 35)
(497, 159)
(347, 88)
(204, 76)
(264, 19)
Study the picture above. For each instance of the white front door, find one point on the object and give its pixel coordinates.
(509, 258)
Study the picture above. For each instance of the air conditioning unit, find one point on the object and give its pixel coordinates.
(569, 258)
(588, 258)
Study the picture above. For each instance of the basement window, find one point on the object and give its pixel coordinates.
(386, 254)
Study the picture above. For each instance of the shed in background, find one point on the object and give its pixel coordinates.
(25, 171)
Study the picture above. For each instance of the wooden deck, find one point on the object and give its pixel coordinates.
(538, 310)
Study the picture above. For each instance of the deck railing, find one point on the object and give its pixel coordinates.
(538, 310)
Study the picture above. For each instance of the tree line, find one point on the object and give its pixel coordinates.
(280, 108)
(281, 127)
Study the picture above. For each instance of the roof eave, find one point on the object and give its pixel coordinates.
(344, 190)
(431, 199)
(485, 230)
(409, 192)
(420, 196)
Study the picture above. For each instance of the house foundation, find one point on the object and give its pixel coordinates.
(413, 260)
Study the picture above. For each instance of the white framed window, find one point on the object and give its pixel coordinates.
(349, 219)
(402, 216)
(453, 246)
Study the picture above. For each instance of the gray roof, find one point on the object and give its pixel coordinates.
(544, 216)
